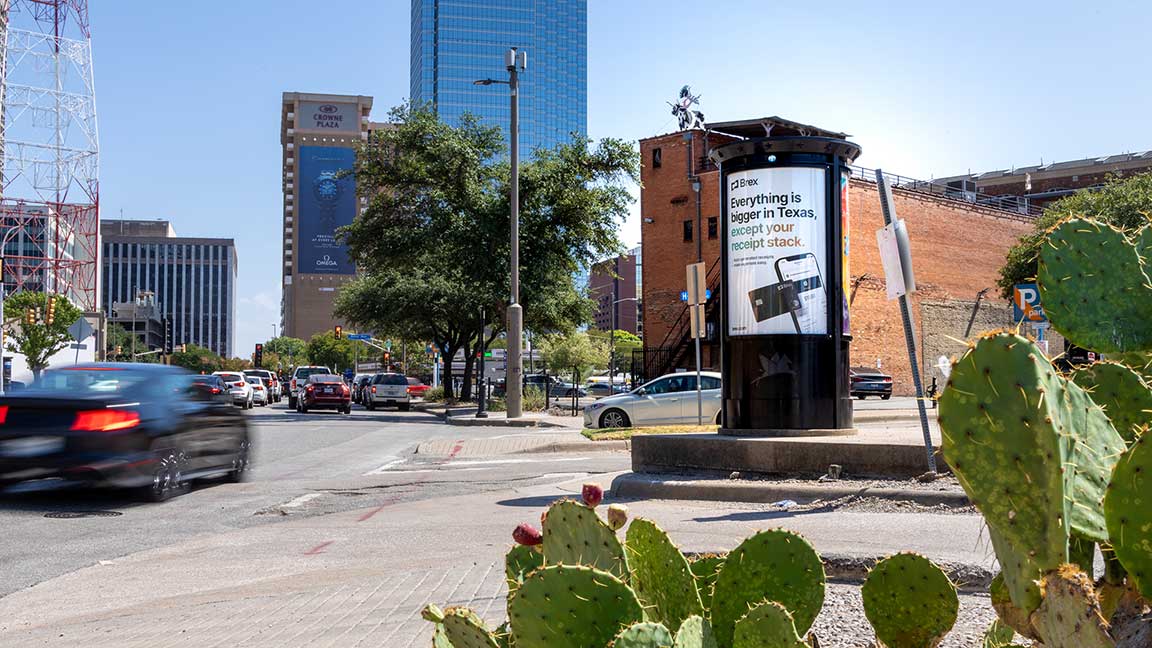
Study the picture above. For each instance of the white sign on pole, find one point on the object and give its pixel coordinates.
(697, 286)
(696, 320)
(896, 256)
(777, 243)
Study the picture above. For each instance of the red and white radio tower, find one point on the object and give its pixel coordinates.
(49, 196)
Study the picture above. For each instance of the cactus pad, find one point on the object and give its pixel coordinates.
(998, 635)
(695, 632)
(660, 575)
(440, 638)
(706, 568)
(520, 561)
(1009, 614)
(775, 565)
(1122, 393)
(1070, 616)
(643, 635)
(767, 624)
(466, 630)
(1128, 508)
(1095, 288)
(562, 606)
(909, 601)
(1032, 451)
(575, 535)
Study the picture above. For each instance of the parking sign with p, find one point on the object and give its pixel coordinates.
(1026, 304)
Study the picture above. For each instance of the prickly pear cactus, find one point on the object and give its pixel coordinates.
(466, 630)
(440, 638)
(1095, 287)
(643, 635)
(1032, 451)
(1014, 617)
(1128, 509)
(1070, 616)
(1122, 393)
(706, 568)
(563, 606)
(575, 535)
(909, 601)
(695, 632)
(660, 575)
(775, 565)
(767, 624)
(520, 561)
(998, 635)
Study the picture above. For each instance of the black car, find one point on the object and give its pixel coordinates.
(870, 382)
(145, 427)
(211, 388)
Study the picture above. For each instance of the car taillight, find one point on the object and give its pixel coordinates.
(293, 383)
(239, 384)
(215, 390)
(373, 389)
(3, 414)
(888, 379)
(105, 420)
(344, 388)
(410, 390)
(308, 388)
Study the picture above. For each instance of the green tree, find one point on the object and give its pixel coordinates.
(1123, 202)
(116, 336)
(327, 350)
(626, 343)
(38, 341)
(578, 350)
(434, 240)
(290, 350)
(198, 359)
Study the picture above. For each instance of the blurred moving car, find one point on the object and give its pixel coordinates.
(667, 400)
(211, 388)
(358, 383)
(259, 391)
(238, 387)
(324, 391)
(417, 388)
(870, 382)
(271, 383)
(149, 427)
(387, 390)
(300, 378)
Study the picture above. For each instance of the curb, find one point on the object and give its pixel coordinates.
(573, 446)
(649, 486)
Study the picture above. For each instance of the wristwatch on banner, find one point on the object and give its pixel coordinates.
(327, 190)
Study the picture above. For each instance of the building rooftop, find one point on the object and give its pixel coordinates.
(763, 127)
(136, 228)
(1084, 163)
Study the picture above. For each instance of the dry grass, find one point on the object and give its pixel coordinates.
(616, 434)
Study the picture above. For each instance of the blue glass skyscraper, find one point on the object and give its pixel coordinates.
(456, 42)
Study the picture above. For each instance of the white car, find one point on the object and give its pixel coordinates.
(388, 389)
(259, 391)
(668, 400)
(270, 382)
(238, 388)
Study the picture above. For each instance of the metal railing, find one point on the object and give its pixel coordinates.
(1014, 204)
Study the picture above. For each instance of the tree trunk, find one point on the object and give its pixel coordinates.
(466, 388)
(447, 353)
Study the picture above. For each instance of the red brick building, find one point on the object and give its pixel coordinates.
(958, 247)
(613, 285)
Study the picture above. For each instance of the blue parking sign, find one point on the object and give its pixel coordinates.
(1026, 304)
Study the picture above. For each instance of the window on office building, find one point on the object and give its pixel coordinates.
(687, 231)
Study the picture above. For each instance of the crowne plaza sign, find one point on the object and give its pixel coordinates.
(329, 117)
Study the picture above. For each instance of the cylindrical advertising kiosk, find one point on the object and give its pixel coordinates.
(784, 316)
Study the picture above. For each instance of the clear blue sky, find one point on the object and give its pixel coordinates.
(189, 93)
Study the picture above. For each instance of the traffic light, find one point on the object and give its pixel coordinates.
(183, 348)
(338, 332)
(167, 336)
(119, 350)
(29, 316)
(387, 356)
(258, 357)
(50, 316)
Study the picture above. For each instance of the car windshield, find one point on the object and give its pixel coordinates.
(324, 378)
(252, 380)
(231, 377)
(308, 372)
(391, 379)
(208, 380)
(89, 380)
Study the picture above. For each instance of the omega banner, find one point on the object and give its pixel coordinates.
(327, 201)
(777, 242)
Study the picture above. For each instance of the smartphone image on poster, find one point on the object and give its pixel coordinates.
(773, 300)
(804, 273)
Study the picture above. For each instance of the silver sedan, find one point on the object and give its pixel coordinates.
(667, 400)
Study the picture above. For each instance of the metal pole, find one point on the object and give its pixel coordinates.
(482, 392)
(515, 370)
(888, 208)
(699, 395)
(612, 335)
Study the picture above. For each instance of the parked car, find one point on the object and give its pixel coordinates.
(271, 383)
(151, 428)
(387, 390)
(601, 389)
(211, 388)
(870, 382)
(667, 400)
(417, 388)
(238, 388)
(324, 391)
(358, 383)
(259, 391)
(300, 378)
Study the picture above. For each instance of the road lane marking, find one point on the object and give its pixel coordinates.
(300, 501)
(318, 548)
(383, 468)
(492, 462)
(455, 449)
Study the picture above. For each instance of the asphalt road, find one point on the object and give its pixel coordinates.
(304, 465)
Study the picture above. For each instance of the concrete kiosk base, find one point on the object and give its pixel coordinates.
(783, 432)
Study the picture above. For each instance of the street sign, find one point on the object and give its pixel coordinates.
(684, 295)
(348, 373)
(359, 336)
(697, 283)
(696, 320)
(388, 344)
(1026, 304)
(80, 330)
(896, 257)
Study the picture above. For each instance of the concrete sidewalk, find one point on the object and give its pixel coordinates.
(360, 578)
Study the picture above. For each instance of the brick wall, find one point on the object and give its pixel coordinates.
(957, 250)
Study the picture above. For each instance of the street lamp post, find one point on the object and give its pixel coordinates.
(515, 61)
(612, 342)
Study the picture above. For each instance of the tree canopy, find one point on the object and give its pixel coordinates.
(578, 350)
(325, 349)
(38, 341)
(433, 244)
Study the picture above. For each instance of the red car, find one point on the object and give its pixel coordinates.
(417, 389)
(325, 391)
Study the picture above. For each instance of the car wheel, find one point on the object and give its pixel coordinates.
(886, 397)
(371, 405)
(614, 418)
(718, 418)
(241, 462)
(167, 475)
(406, 407)
(303, 407)
(292, 403)
(861, 396)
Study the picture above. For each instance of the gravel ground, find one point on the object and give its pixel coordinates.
(880, 505)
(945, 483)
(842, 624)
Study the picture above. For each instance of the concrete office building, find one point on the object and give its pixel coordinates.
(456, 42)
(319, 134)
(192, 280)
(615, 285)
